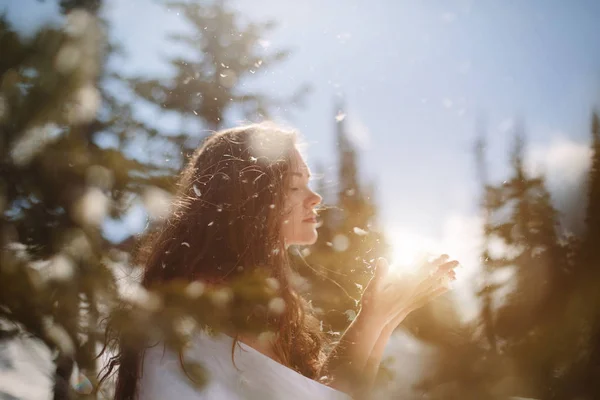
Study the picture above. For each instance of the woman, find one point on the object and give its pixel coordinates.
(243, 198)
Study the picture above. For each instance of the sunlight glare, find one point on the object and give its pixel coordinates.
(408, 248)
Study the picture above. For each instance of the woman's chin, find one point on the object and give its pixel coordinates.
(305, 240)
(312, 239)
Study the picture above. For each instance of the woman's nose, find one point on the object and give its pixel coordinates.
(314, 200)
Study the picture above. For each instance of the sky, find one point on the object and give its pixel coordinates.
(416, 76)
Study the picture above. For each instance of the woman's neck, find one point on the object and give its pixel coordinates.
(259, 343)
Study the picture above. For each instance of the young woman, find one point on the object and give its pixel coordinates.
(243, 198)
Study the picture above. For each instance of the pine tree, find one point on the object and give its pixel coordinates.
(486, 292)
(582, 376)
(225, 53)
(59, 184)
(349, 240)
(590, 251)
(525, 222)
(466, 364)
(54, 190)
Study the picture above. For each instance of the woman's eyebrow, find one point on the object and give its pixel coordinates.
(301, 175)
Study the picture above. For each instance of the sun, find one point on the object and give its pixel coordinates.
(408, 248)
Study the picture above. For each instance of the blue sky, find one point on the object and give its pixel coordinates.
(416, 75)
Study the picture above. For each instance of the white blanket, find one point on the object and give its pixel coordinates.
(256, 376)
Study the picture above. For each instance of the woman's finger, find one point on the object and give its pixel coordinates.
(381, 270)
(374, 285)
(431, 268)
(442, 281)
(440, 260)
(426, 298)
(419, 302)
(446, 269)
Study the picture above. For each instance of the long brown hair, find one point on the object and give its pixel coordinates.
(227, 218)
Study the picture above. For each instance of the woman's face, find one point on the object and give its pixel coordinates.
(299, 222)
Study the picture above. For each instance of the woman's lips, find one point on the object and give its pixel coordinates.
(312, 220)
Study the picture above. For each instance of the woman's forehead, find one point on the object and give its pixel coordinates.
(298, 163)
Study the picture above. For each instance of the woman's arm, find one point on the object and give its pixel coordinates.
(374, 361)
(353, 364)
(345, 367)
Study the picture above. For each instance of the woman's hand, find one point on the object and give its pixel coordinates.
(389, 298)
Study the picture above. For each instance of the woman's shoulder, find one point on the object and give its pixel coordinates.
(249, 374)
(162, 375)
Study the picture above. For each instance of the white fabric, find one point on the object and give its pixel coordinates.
(256, 376)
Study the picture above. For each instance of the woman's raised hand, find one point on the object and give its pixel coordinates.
(390, 297)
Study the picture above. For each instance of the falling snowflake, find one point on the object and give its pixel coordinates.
(272, 283)
(222, 297)
(185, 325)
(142, 298)
(67, 59)
(277, 305)
(194, 289)
(340, 243)
(360, 232)
(157, 202)
(78, 22)
(86, 104)
(61, 268)
(350, 314)
(92, 207)
(197, 191)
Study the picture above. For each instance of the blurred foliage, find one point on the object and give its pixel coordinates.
(67, 167)
(540, 338)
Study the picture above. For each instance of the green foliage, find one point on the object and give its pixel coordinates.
(61, 182)
(540, 339)
(225, 53)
